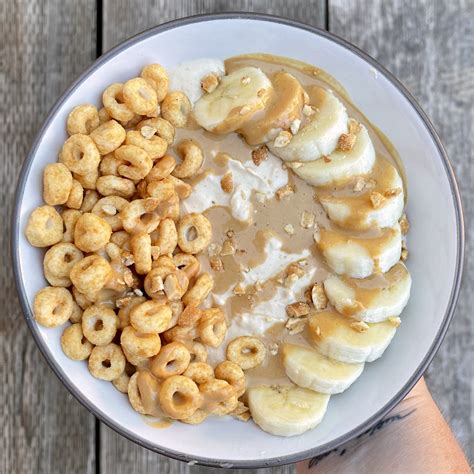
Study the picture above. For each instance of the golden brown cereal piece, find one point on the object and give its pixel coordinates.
(114, 185)
(90, 274)
(161, 169)
(259, 155)
(182, 334)
(91, 232)
(232, 374)
(191, 154)
(140, 97)
(154, 281)
(76, 315)
(82, 119)
(156, 76)
(175, 285)
(125, 309)
(199, 291)
(189, 264)
(80, 154)
(104, 115)
(70, 217)
(161, 190)
(150, 317)
(194, 233)
(76, 195)
(199, 372)
(155, 146)
(162, 127)
(120, 238)
(139, 216)
(58, 262)
(109, 165)
(167, 238)
(173, 359)
(138, 162)
(108, 208)
(298, 309)
(197, 417)
(81, 299)
(179, 397)
(246, 351)
(134, 394)
(212, 327)
(89, 180)
(44, 227)
(122, 381)
(197, 350)
(57, 184)
(190, 316)
(140, 344)
(140, 246)
(112, 98)
(175, 108)
(182, 189)
(219, 397)
(108, 136)
(73, 343)
(107, 362)
(52, 306)
(284, 191)
(99, 324)
(90, 199)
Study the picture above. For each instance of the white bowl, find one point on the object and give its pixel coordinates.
(435, 241)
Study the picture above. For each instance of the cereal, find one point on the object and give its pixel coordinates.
(44, 227)
(134, 394)
(70, 218)
(80, 154)
(219, 397)
(122, 381)
(191, 154)
(140, 97)
(112, 99)
(138, 216)
(150, 317)
(108, 136)
(73, 343)
(76, 315)
(197, 350)
(108, 208)
(106, 362)
(52, 306)
(179, 397)
(140, 246)
(173, 359)
(139, 162)
(212, 327)
(199, 372)
(125, 309)
(114, 185)
(189, 264)
(57, 184)
(162, 127)
(90, 274)
(182, 189)
(175, 108)
(182, 334)
(298, 309)
(232, 374)
(91, 232)
(58, 262)
(199, 291)
(161, 169)
(89, 180)
(156, 76)
(155, 146)
(194, 233)
(90, 200)
(175, 285)
(82, 119)
(167, 238)
(76, 195)
(140, 344)
(246, 351)
(99, 324)
(161, 190)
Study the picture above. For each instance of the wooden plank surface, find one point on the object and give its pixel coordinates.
(428, 45)
(44, 46)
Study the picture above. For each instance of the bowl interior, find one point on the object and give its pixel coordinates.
(434, 240)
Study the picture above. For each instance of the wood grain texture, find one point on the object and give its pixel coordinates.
(44, 45)
(429, 45)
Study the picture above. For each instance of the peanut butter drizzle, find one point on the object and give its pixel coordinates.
(149, 388)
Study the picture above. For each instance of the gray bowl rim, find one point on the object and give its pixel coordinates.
(231, 463)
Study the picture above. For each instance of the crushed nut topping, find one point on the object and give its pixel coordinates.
(239, 290)
(245, 80)
(359, 184)
(230, 233)
(307, 220)
(298, 309)
(127, 258)
(210, 83)
(157, 284)
(404, 224)
(147, 131)
(295, 269)
(285, 191)
(260, 197)
(214, 249)
(260, 92)
(227, 183)
(282, 139)
(308, 110)
(295, 126)
(128, 277)
(346, 141)
(295, 326)
(392, 192)
(109, 210)
(318, 296)
(376, 199)
(354, 126)
(326, 159)
(290, 280)
(258, 286)
(359, 326)
(259, 155)
(289, 229)
(395, 321)
(138, 292)
(122, 302)
(227, 248)
(216, 264)
(273, 348)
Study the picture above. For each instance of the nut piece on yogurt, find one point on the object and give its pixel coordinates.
(318, 297)
(285, 191)
(259, 155)
(209, 83)
(297, 310)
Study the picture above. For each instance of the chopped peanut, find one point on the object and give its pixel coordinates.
(359, 326)
(354, 126)
(346, 141)
(307, 219)
(285, 191)
(259, 155)
(392, 192)
(296, 326)
(404, 224)
(216, 264)
(227, 248)
(318, 296)
(282, 139)
(209, 83)
(376, 199)
(227, 183)
(298, 309)
(289, 229)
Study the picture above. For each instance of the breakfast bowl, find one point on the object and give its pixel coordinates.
(433, 206)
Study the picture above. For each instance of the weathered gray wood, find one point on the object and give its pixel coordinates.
(44, 46)
(428, 45)
(121, 20)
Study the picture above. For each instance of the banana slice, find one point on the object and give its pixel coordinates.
(280, 114)
(371, 299)
(236, 99)
(379, 203)
(286, 410)
(334, 337)
(310, 369)
(359, 257)
(341, 165)
(320, 136)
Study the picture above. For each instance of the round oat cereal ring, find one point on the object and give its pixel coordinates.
(212, 327)
(154, 145)
(197, 417)
(91, 197)
(140, 246)
(190, 316)
(179, 397)
(106, 362)
(246, 351)
(115, 185)
(162, 128)
(108, 208)
(182, 334)
(90, 274)
(99, 324)
(124, 311)
(76, 195)
(91, 233)
(80, 154)
(122, 381)
(189, 264)
(140, 97)
(161, 169)
(150, 317)
(137, 162)
(76, 315)
(139, 216)
(199, 291)
(44, 227)
(58, 262)
(134, 394)
(82, 119)
(199, 372)
(194, 233)
(161, 190)
(197, 350)
(173, 359)
(191, 154)
(232, 374)
(156, 76)
(140, 344)
(57, 184)
(70, 217)
(109, 165)
(113, 101)
(108, 136)
(52, 306)
(175, 108)
(74, 344)
(218, 396)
